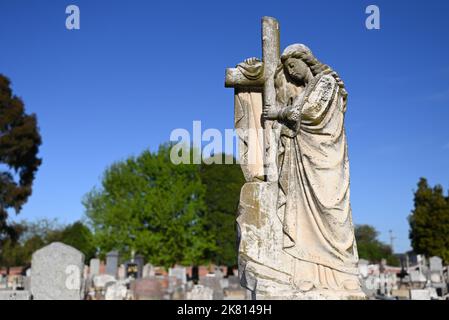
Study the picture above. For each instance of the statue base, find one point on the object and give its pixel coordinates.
(264, 268)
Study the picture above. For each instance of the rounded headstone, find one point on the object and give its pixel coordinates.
(57, 273)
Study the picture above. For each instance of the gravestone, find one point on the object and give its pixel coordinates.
(112, 263)
(436, 275)
(101, 280)
(94, 268)
(363, 267)
(147, 289)
(115, 291)
(419, 294)
(436, 270)
(436, 264)
(139, 261)
(148, 271)
(57, 273)
(234, 282)
(213, 283)
(121, 272)
(3, 282)
(417, 277)
(200, 292)
(179, 273)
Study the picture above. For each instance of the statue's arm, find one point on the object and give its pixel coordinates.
(310, 105)
(285, 113)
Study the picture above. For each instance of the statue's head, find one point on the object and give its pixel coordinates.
(297, 60)
(300, 65)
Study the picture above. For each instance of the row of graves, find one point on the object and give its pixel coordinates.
(58, 272)
(417, 279)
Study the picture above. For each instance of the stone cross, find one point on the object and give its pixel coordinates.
(264, 82)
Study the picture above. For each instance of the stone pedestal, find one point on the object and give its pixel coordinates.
(264, 267)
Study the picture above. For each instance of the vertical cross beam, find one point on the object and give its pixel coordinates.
(271, 58)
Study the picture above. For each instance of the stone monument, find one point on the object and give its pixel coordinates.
(112, 259)
(296, 236)
(94, 267)
(57, 273)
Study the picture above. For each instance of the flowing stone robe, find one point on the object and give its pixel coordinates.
(313, 199)
(247, 121)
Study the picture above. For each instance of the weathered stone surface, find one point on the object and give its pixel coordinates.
(116, 291)
(419, 294)
(214, 283)
(179, 273)
(262, 262)
(14, 295)
(200, 292)
(57, 273)
(148, 271)
(112, 263)
(148, 289)
(295, 225)
(101, 280)
(121, 272)
(94, 267)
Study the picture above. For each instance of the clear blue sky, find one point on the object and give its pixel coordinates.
(138, 69)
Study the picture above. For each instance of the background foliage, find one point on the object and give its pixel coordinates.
(429, 221)
(19, 146)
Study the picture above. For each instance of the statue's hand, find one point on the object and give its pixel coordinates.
(252, 60)
(270, 114)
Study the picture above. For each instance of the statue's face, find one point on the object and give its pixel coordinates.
(297, 69)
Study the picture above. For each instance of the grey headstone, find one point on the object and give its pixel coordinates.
(363, 268)
(139, 260)
(148, 271)
(57, 273)
(417, 276)
(213, 283)
(27, 283)
(112, 263)
(121, 272)
(94, 267)
(179, 272)
(419, 294)
(436, 264)
(200, 292)
(234, 283)
(115, 291)
(101, 280)
(14, 295)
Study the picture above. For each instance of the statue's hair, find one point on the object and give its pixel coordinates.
(303, 53)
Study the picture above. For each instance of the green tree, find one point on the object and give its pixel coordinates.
(10, 251)
(19, 146)
(370, 248)
(429, 221)
(78, 236)
(37, 234)
(152, 206)
(223, 183)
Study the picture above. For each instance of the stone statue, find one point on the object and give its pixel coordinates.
(296, 236)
